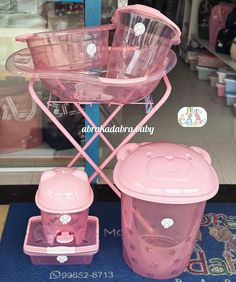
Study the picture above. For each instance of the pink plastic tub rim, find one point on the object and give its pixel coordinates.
(25, 37)
(22, 67)
(150, 12)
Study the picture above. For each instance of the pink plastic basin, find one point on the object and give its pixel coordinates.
(40, 252)
(69, 50)
(143, 37)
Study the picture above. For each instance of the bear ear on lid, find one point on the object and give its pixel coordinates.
(47, 175)
(124, 152)
(202, 152)
(81, 174)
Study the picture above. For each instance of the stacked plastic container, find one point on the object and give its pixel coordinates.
(64, 233)
(207, 64)
(230, 89)
(162, 203)
(222, 74)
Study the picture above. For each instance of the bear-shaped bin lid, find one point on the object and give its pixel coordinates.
(165, 173)
(65, 190)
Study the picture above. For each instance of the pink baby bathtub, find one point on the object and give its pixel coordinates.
(162, 203)
(91, 86)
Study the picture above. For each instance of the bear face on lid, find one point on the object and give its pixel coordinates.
(166, 173)
(64, 190)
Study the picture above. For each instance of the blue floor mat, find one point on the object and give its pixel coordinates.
(213, 260)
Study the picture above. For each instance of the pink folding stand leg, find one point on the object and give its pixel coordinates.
(81, 150)
(140, 124)
(69, 137)
(113, 114)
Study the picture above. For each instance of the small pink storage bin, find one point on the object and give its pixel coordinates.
(69, 50)
(220, 89)
(162, 203)
(40, 252)
(143, 38)
(64, 197)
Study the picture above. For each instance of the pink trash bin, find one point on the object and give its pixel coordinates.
(143, 38)
(162, 203)
(64, 197)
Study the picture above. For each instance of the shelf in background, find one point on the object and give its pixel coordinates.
(225, 58)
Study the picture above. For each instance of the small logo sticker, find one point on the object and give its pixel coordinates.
(65, 218)
(91, 49)
(192, 117)
(139, 29)
(167, 222)
(62, 259)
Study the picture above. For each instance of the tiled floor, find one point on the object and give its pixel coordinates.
(3, 214)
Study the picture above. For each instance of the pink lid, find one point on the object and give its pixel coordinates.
(165, 173)
(65, 190)
(151, 13)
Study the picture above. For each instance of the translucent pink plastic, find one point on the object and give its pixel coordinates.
(167, 173)
(91, 86)
(69, 50)
(78, 65)
(220, 89)
(64, 190)
(56, 231)
(163, 250)
(40, 252)
(143, 38)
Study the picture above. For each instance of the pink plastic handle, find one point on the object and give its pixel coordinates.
(149, 12)
(24, 37)
(65, 238)
(123, 80)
